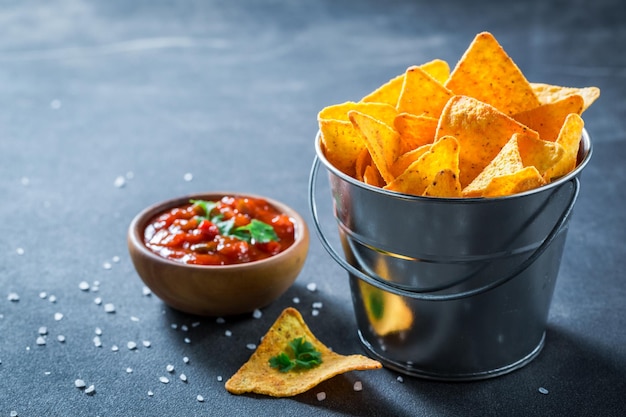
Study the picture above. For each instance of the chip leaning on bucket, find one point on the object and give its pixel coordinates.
(480, 130)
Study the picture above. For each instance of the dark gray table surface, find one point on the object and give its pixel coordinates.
(188, 96)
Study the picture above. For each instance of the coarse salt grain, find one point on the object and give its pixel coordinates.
(43, 330)
(228, 333)
(61, 338)
(185, 359)
(41, 341)
(358, 386)
(311, 286)
(90, 390)
(219, 378)
(13, 296)
(133, 318)
(184, 328)
(200, 398)
(317, 305)
(169, 368)
(115, 348)
(131, 345)
(58, 316)
(146, 291)
(107, 265)
(187, 340)
(220, 320)
(129, 370)
(79, 383)
(97, 342)
(150, 393)
(400, 379)
(257, 314)
(296, 300)
(321, 396)
(109, 308)
(98, 331)
(19, 251)
(43, 295)
(83, 285)
(97, 300)
(52, 299)
(146, 343)
(164, 380)
(315, 313)
(119, 182)
(543, 390)
(183, 377)
(251, 346)
(188, 176)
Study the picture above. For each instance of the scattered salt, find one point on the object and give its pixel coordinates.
(251, 346)
(107, 265)
(13, 297)
(98, 331)
(200, 398)
(183, 377)
(150, 393)
(97, 342)
(317, 305)
(296, 300)
(131, 345)
(114, 348)
(321, 396)
(43, 330)
(187, 340)
(109, 308)
(257, 313)
(311, 286)
(13, 413)
(58, 316)
(52, 299)
(146, 291)
(164, 380)
(61, 338)
(315, 313)
(169, 368)
(43, 295)
(79, 383)
(97, 300)
(133, 318)
(146, 343)
(185, 359)
(543, 390)
(400, 379)
(358, 386)
(41, 341)
(219, 378)
(129, 370)
(90, 390)
(83, 285)
(119, 182)
(115, 259)
(188, 176)
(220, 320)
(228, 333)
(19, 251)
(184, 328)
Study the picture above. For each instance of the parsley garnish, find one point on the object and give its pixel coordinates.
(303, 356)
(256, 230)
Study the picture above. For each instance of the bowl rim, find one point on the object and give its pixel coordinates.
(139, 223)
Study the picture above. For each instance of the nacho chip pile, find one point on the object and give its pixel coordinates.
(480, 130)
(257, 376)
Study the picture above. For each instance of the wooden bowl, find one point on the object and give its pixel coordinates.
(223, 289)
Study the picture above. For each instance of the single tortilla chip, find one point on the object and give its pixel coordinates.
(569, 138)
(371, 176)
(256, 375)
(421, 94)
(341, 142)
(541, 154)
(445, 185)
(487, 73)
(548, 118)
(481, 130)
(390, 91)
(407, 158)
(523, 180)
(415, 131)
(547, 93)
(362, 162)
(381, 140)
(443, 154)
(506, 162)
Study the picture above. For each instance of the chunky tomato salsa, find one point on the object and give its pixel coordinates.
(230, 231)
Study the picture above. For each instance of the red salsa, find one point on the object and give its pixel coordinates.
(234, 230)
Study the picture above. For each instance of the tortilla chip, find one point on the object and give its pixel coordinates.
(569, 139)
(487, 73)
(541, 154)
(421, 94)
(481, 130)
(341, 142)
(407, 158)
(508, 161)
(446, 184)
(548, 118)
(518, 182)
(443, 154)
(256, 375)
(372, 176)
(382, 141)
(547, 93)
(415, 131)
(390, 91)
(362, 161)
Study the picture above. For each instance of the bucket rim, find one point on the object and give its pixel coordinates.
(585, 152)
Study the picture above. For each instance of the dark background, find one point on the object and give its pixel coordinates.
(228, 91)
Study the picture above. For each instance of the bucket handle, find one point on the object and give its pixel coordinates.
(386, 286)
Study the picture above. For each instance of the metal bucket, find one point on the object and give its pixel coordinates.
(450, 289)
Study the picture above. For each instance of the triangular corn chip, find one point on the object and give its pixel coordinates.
(446, 184)
(569, 139)
(256, 375)
(506, 162)
(415, 131)
(541, 154)
(421, 94)
(390, 91)
(443, 154)
(407, 158)
(487, 73)
(547, 93)
(523, 180)
(382, 141)
(548, 118)
(341, 142)
(481, 130)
